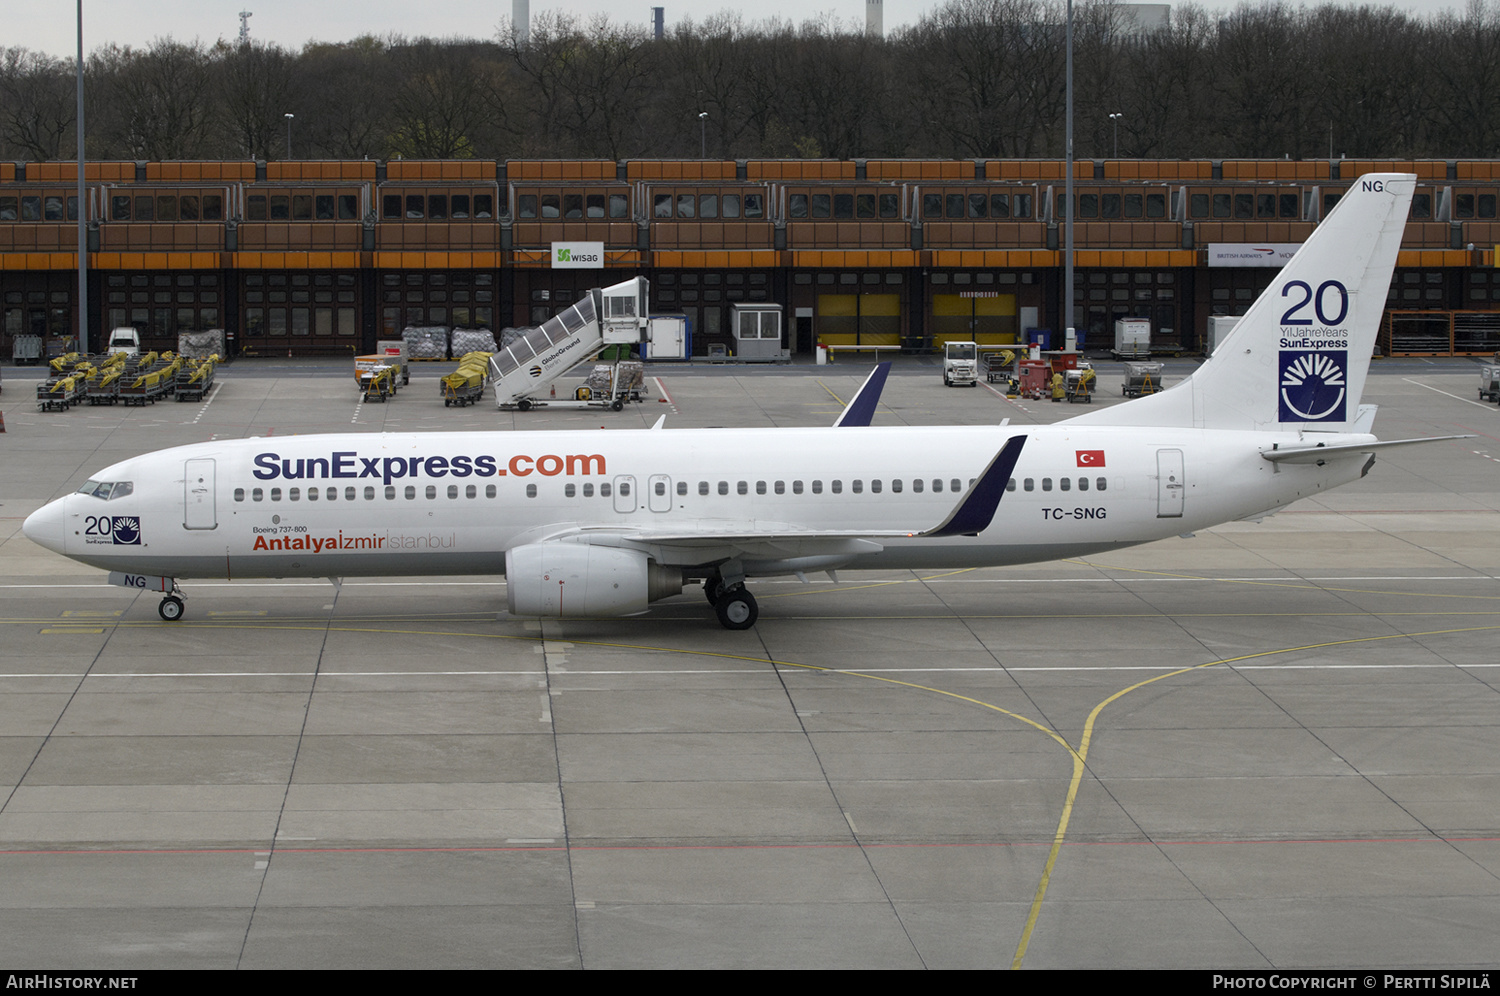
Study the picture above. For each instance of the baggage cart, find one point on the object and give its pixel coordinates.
(465, 385)
(1078, 385)
(1132, 338)
(195, 379)
(60, 345)
(103, 387)
(152, 385)
(26, 350)
(462, 389)
(997, 365)
(1141, 378)
(378, 384)
(57, 394)
(1489, 382)
(379, 376)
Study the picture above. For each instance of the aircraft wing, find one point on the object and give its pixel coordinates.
(1322, 452)
(970, 515)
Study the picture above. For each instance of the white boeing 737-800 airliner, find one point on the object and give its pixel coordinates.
(604, 523)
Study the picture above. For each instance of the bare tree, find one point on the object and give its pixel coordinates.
(990, 75)
(257, 87)
(444, 100)
(1367, 86)
(1161, 93)
(37, 106)
(703, 73)
(1262, 82)
(586, 83)
(157, 102)
(1462, 67)
(352, 80)
(972, 78)
(836, 77)
(763, 60)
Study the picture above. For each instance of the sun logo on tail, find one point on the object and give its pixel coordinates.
(1313, 387)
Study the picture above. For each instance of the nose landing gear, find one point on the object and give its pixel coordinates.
(171, 608)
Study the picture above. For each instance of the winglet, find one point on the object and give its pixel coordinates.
(973, 514)
(861, 409)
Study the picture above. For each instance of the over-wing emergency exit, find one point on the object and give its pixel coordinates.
(603, 523)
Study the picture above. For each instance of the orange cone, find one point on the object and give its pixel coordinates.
(2, 421)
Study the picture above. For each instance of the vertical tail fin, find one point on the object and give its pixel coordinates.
(1299, 357)
(861, 408)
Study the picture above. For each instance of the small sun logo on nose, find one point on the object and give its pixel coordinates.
(127, 530)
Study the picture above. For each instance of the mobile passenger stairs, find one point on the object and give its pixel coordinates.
(530, 364)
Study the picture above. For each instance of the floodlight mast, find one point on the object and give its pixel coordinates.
(83, 242)
(1068, 193)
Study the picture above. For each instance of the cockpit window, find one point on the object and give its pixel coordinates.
(107, 490)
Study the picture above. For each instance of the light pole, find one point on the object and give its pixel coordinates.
(289, 115)
(1116, 118)
(83, 213)
(702, 134)
(1068, 183)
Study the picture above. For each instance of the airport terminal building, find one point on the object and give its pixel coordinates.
(329, 257)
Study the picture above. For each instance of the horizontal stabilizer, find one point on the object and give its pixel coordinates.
(1323, 452)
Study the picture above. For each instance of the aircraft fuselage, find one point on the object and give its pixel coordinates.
(453, 503)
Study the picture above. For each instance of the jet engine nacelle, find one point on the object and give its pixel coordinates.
(565, 580)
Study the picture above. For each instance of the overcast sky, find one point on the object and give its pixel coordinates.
(49, 25)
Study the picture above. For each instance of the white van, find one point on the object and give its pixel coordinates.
(125, 340)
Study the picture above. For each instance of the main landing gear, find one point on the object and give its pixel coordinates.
(734, 605)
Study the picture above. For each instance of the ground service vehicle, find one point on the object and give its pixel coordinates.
(960, 364)
(125, 340)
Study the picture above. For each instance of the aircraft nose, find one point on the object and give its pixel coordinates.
(48, 525)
